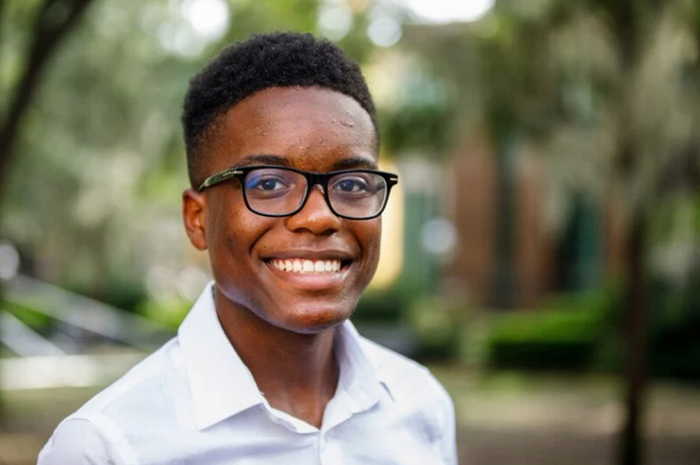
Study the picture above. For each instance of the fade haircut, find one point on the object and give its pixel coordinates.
(280, 59)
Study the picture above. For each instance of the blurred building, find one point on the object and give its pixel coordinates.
(508, 252)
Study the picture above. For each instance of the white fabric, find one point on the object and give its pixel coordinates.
(195, 402)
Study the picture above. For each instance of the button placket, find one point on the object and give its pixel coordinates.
(329, 449)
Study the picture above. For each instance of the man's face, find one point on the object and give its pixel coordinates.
(310, 129)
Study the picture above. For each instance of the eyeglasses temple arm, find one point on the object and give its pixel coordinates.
(218, 177)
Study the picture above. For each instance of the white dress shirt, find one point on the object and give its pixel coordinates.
(195, 402)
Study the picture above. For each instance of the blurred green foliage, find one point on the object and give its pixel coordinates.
(389, 304)
(564, 334)
(437, 321)
(581, 332)
(28, 313)
(434, 322)
(675, 338)
(169, 313)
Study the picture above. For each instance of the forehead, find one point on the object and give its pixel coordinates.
(310, 128)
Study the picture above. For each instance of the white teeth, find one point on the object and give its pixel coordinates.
(307, 266)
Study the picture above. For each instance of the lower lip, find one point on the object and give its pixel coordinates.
(311, 281)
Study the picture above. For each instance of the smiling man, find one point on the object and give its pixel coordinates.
(286, 198)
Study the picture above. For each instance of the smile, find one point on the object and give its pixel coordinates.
(305, 266)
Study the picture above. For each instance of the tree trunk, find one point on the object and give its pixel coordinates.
(3, 409)
(627, 17)
(636, 322)
(505, 290)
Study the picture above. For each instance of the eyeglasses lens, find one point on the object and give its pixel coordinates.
(358, 194)
(273, 191)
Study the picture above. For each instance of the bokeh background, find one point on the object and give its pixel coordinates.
(541, 254)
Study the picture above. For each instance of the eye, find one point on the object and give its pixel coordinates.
(351, 185)
(266, 182)
(354, 184)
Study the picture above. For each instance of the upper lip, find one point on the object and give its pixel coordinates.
(309, 254)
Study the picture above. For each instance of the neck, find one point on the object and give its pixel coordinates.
(297, 373)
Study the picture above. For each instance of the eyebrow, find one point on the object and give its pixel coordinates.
(355, 162)
(264, 159)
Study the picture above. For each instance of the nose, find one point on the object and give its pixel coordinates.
(316, 216)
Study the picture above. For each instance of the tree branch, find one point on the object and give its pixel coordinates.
(625, 28)
(2, 11)
(49, 30)
(2, 7)
(48, 4)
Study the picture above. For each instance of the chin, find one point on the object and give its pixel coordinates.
(312, 321)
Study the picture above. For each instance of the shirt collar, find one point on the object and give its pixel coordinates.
(222, 385)
(359, 378)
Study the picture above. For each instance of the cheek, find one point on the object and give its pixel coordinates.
(232, 232)
(233, 263)
(369, 234)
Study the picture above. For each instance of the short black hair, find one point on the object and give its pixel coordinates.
(279, 59)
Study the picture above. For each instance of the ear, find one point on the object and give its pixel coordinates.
(194, 215)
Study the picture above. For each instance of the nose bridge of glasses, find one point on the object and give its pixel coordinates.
(321, 191)
(319, 180)
(314, 179)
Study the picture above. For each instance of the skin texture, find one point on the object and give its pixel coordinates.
(283, 324)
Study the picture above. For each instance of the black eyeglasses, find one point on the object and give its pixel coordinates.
(276, 191)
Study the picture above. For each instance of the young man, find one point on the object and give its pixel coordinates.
(282, 149)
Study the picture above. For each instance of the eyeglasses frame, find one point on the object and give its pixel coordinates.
(312, 179)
